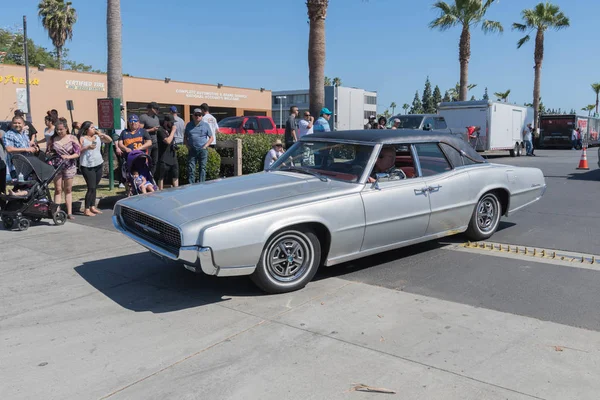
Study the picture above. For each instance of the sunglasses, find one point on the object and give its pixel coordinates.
(278, 145)
(197, 115)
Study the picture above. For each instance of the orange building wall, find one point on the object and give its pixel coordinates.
(50, 89)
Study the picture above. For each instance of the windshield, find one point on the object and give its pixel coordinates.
(406, 121)
(231, 122)
(339, 161)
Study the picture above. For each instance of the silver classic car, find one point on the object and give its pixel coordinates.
(331, 198)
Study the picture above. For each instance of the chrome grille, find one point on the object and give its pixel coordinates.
(152, 229)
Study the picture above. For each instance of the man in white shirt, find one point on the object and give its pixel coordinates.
(527, 138)
(274, 154)
(305, 125)
(211, 121)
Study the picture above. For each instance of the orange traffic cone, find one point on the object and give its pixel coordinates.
(583, 164)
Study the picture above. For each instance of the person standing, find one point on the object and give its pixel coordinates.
(291, 127)
(3, 170)
(150, 122)
(117, 149)
(527, 138)
(574, 139)
(50, 121)
(322, 124)
(381, 123)
(211, 121)
(91, 162)
(371, 124)
(305, 125)
(16, 140)
(198, 136)
(179, 127)
(68, 148)
(168, 166)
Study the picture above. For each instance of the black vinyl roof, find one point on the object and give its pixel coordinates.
(396, 136)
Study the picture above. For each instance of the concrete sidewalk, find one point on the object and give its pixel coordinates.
(85, 314)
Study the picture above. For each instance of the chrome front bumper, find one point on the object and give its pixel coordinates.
(193, 257)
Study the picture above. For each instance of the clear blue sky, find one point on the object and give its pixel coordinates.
(381, 45)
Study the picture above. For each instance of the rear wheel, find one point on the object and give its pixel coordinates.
(24, 224)
(288, 262)
(60, 217)
(8, 222)
(485, 219)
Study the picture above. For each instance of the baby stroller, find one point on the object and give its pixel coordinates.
(37, 204)
(141, 162)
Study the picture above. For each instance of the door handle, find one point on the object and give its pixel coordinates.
(421, 191)
(434, 188)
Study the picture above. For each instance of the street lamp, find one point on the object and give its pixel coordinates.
(280, 109)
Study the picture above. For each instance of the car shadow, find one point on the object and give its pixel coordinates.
(141, 282)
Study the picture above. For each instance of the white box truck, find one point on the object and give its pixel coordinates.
(502, 124)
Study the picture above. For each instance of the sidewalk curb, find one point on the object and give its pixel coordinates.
(104, 203)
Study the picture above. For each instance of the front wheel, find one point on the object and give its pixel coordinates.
(485, 219)
(288, 262)
(60, 217)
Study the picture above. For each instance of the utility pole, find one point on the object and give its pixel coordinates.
(280, 109)
(26, 68)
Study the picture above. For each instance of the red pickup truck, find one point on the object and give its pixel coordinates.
(255, 124)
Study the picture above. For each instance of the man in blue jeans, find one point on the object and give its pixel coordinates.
(198, 136)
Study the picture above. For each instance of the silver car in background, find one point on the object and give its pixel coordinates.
(327, 201)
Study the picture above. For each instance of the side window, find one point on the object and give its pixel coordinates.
(251, 124)
(405, 161)
(440, 123)
(265, 124)
(432, 159)
(468, 161)
(456, 159)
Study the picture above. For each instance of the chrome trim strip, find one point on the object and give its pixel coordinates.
(150, 246)
(236, 271)
(543, 191)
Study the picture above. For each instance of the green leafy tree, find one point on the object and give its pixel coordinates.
(405, 107)
(447, 97)
(454, 92)
(473, 98)
(317, 13)
(502, 96)
(596, 89)
(485, 95)
(393, 107)
(589, 108)
(572, 111)
(539, 19)
(427, 101)
(437, 97)
(58, 19)
(337, 82)
(466, 14)
(417, 106)
(327, 81)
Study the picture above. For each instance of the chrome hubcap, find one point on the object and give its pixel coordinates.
(288, 257)
(486, 214)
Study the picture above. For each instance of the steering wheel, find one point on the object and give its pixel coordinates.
(399, 172)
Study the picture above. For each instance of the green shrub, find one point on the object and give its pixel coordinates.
(213, 164)
(254, 149)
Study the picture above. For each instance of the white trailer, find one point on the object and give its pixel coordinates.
(502, 124)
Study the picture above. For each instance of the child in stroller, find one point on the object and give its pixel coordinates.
(139, 162)
(29, 200)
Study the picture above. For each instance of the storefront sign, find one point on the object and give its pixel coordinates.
(199, 94)
(17, 80)
(85, 85)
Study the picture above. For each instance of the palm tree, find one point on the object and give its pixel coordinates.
(393, 106)
(317, 12)
(454, 92)
(327, 81)
(58, 19)
(541, 18)
(596, 89)
(502, 96)
(405, 107)
(337, 82)
(466, 14)
(114, 64)
(589, 108)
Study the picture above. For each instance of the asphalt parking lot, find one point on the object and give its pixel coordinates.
(87, 314)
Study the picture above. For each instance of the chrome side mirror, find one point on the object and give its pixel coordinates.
(378, 176)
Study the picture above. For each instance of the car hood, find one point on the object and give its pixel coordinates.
(192, 202)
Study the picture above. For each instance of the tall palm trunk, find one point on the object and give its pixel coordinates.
(464, 56)
(538, 58)
(59, 56)
(114, 64)
(596, 103)
(317, 11)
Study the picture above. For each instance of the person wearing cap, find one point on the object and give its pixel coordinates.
(274, 154)
(291, 128)
(211, 121)
(322, 124)
(134, 138)
(198, 136)
(179, 126)
(29, 129)
(371, 124)
(150, 122)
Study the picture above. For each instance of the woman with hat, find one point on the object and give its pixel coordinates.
(274, 154)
